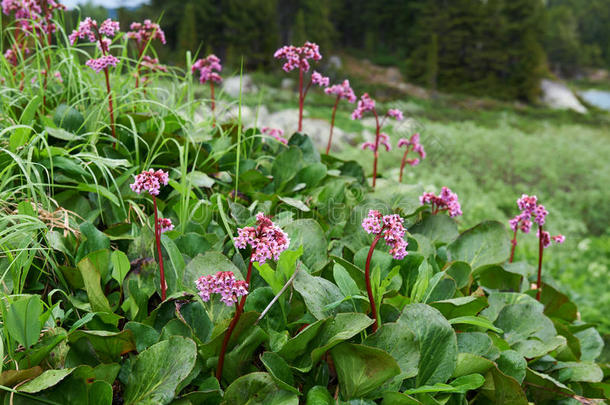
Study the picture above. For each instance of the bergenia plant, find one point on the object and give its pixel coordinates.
(342, 91)
(143, 34)
(276, 133)
(101, 35)
(33, 17)
(390, 228)
(207, 67)
(412, 145)
(366, 103)
(447, 201)
(530, 209)
(151, 181)
(298, 58)
(266, 241)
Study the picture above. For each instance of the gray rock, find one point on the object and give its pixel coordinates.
(558, 95)
(287, 84)
(335, 62)
(230, 85)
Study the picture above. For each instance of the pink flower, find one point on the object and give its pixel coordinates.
(152, 64)
(151, 181)
(102, 63)
(57, 75)
(266, 239)
(297, 57)
(145, 32)
(391, 228)
(366, 103)
(276, 133)
(547, 238)
(109, 27)
(317, 78)
(165, 224)
(529, 208)
(223, 283)
(447, 201)
(413, 144)
(343, 91)
(206, 67)
(396, 114)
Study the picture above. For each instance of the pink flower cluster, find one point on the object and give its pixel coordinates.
(523, 221)
(343, 91)
(366, 103)
(298, 57)
(529, 208)
(546, 238)
(448, 201)
(145, 32)
(317, 78)
(266, 239)
(206, 67)
(88, 28)
(102, 63)
(30, 16)
(151, 181)
(384, 140)
(276, 133)
(391, 228)
(414, 145)
(223, 283)
(165, 224)
(395, 113)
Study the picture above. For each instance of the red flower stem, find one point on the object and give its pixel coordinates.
(238, 312)
(213, 103)
(332, 124)
(367, 278)
(513, 242)
(404, 161)
(540, 251)
(376, 151)
(159, 254)
(301, 100)
(110, 107)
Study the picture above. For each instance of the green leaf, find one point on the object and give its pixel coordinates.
(100, 393)
(239, 359)
(500, 388)
(99, 190)
(68, 118)
(120, 266)
(309, 234)
(469, 363)
(361, 369)
(579, 371)
(305, 349)
(279, 370)
(437, 343)
(438, 228)
(401, 343)
(476, 321)
(257, 388)
(462, 306)
(398, 398)
(199, 179)
(512, 364)
(344, 281)
(108, 346)
(62, 134)
(286, 165)
(295, 203)
(23, 320)
(176, 267)
(486, 243)
(319, 395)
(318, 294)
(205, 264)
(460, 385)
(460, 272)
(46, 380)
(91, 279)
(591, 344)
(157, 371)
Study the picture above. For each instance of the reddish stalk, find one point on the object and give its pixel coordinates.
(367, 278)
(540, 251)
(403, 162)
(332, 125)
(301, 100)
(213, 103)
(376, 152)
(513, 243)
(106, 74)
(159, 254)
(238, 312)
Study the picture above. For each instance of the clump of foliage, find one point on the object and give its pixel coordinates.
(90, 316)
